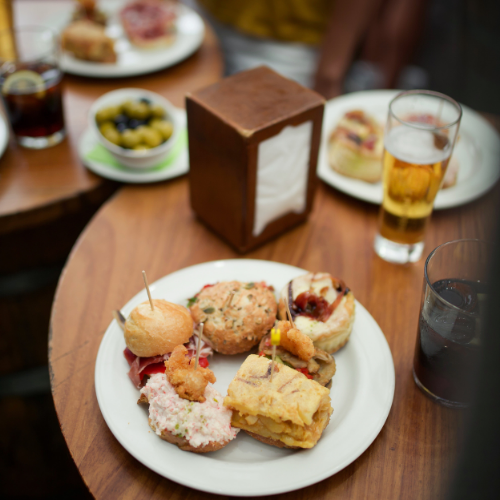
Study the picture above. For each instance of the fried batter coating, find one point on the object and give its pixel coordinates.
(295, 341)
(188, 383)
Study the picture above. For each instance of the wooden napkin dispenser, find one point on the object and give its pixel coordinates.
(253, 148)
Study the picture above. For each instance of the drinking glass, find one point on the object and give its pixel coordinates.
(420, 133)
(30, 81)
(452, 313)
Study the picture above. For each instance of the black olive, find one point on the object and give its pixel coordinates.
(121, 127)
(120, 119)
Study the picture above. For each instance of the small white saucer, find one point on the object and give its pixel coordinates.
(176, 164)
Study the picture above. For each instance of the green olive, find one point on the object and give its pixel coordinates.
(157, 111)
(140, 130)
(106, 126)
(152, 137)
(126, 106)
(106, 114)
(139, 110)
(164, 127)
(112, 135)
(130, 138)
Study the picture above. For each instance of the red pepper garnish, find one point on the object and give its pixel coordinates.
(152, 369)
(262, 353)
(206, 286)
(305, 372)
(203, 362)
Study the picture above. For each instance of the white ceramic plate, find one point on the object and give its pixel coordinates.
(477, 151)
(4, 135)
(130, 59)
(362, 393)
(180, 166)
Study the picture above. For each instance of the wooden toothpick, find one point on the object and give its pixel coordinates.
(289, 314)
(147, 290)
(275, 340)
(200, 333)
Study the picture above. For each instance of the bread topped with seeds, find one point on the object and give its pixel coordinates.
(236, 315)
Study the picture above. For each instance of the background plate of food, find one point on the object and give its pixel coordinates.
(361, 396)
(117, 38)
(352, 144)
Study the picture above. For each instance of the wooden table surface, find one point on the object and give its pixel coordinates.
(40, 186)
(153, 228)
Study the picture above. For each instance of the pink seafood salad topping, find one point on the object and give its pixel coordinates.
(199, 423)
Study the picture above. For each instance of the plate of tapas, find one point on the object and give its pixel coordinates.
(118, 38)
(352, 144)
(232, 370)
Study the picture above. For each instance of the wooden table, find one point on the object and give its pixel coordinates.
(51, 188)
(153, 227)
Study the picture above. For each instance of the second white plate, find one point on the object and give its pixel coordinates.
(362, 394)
(477, 151)
(131, 60)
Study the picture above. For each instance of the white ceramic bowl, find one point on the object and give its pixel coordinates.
(129, 157)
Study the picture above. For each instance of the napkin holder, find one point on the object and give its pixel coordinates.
(253, 148)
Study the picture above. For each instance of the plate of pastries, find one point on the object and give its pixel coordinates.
(352, 150)
(116, 38)
(233, 370)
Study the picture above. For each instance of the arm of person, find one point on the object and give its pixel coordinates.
(349, 21)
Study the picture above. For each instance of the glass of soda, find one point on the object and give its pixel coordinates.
(30, 82)
(452, 314)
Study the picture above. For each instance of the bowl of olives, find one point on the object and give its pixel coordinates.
(136, 126)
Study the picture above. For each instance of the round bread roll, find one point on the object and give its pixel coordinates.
(235, 315)
(153, 333)
(331, 331)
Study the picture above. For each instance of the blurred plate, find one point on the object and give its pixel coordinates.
(177, 163)
(4, 135)
(132, 60)
(362, 393)
(477, 151)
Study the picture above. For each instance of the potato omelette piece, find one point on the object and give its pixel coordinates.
(290, 410)
(236, 315)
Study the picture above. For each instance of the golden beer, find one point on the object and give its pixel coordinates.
(414, 165)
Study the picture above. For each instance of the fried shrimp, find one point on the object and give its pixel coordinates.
(295, 341)
(188, 382)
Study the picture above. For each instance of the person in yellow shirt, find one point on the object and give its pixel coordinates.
(315, 41)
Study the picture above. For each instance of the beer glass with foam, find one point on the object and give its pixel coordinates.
(420, 133)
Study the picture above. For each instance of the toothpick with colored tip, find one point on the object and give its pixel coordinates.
(200, 333)
(275, 340)
(147, 290)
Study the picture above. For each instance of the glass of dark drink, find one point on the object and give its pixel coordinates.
(452, 313)
(31, 81)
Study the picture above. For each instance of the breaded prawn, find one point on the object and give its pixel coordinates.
(295, 341)
(188, 382)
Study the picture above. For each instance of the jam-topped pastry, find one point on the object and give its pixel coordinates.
(355, 147)
(322, 307)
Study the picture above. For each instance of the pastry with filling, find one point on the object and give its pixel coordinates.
(288, 411)
(322, 307)
(236, 315)
(356, 146)
(87, 41)
(297, 351)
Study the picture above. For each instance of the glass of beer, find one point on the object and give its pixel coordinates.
(420, 133)
(31, 85)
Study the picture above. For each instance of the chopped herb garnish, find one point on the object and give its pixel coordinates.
(215, 400)
(249, 285)
(192, 300)
(176, 426)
